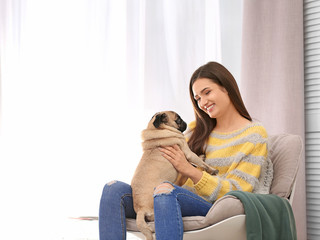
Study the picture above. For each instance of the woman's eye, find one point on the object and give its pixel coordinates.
(208, 92)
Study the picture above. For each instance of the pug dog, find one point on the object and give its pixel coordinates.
(164, 129)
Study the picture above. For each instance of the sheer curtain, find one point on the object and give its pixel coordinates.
(174, 39)
(79, 81)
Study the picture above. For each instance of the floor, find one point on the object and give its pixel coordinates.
(84, 230)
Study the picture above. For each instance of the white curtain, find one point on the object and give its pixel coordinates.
(174, 38)
(79, 81)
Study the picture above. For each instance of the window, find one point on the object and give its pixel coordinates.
(79, 81)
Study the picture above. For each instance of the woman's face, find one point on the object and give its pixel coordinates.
(212, 98)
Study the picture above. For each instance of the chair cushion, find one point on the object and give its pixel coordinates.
(225, 207)
(285, 152)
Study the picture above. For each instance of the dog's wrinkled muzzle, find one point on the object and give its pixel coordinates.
(182, 127)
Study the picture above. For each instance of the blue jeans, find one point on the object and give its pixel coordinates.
(116, 205)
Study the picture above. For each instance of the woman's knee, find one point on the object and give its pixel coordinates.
(164, 188)
(117, 187)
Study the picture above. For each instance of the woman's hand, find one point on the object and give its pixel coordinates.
(177, 158)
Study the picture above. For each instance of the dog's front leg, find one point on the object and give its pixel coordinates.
(198, 161)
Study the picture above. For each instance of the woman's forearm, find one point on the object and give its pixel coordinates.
(194, 174)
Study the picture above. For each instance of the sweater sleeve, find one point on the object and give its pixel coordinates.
(239, 170)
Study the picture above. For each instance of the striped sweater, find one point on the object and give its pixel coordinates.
(239, 156)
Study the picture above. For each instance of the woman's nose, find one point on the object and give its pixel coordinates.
(202, 103)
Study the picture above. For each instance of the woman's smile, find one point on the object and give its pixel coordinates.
(210, 108)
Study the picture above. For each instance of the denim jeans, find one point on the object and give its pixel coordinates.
(116, 205)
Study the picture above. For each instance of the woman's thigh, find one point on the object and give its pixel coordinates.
(190, 203)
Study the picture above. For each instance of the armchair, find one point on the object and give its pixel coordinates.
(226, 219)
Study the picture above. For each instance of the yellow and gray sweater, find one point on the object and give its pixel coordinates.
(241, 158)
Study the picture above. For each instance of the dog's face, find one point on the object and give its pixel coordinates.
(168, 118)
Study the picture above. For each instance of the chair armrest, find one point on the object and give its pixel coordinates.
(225, 207)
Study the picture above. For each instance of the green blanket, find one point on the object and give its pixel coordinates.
(267, 216)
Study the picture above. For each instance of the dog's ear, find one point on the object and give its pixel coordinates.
(160, 118)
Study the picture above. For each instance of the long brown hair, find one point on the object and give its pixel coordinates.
(204, 124)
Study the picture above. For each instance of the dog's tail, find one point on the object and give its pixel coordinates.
(143, 226)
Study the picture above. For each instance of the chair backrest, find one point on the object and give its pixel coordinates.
(285, 152)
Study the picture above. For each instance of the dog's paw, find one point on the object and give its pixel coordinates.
(213, 171)
(202, 157)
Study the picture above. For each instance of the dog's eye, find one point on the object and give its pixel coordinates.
(178, 121)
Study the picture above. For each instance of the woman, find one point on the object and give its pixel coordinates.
(224, 132)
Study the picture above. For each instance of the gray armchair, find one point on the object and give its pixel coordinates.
(226, 219)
